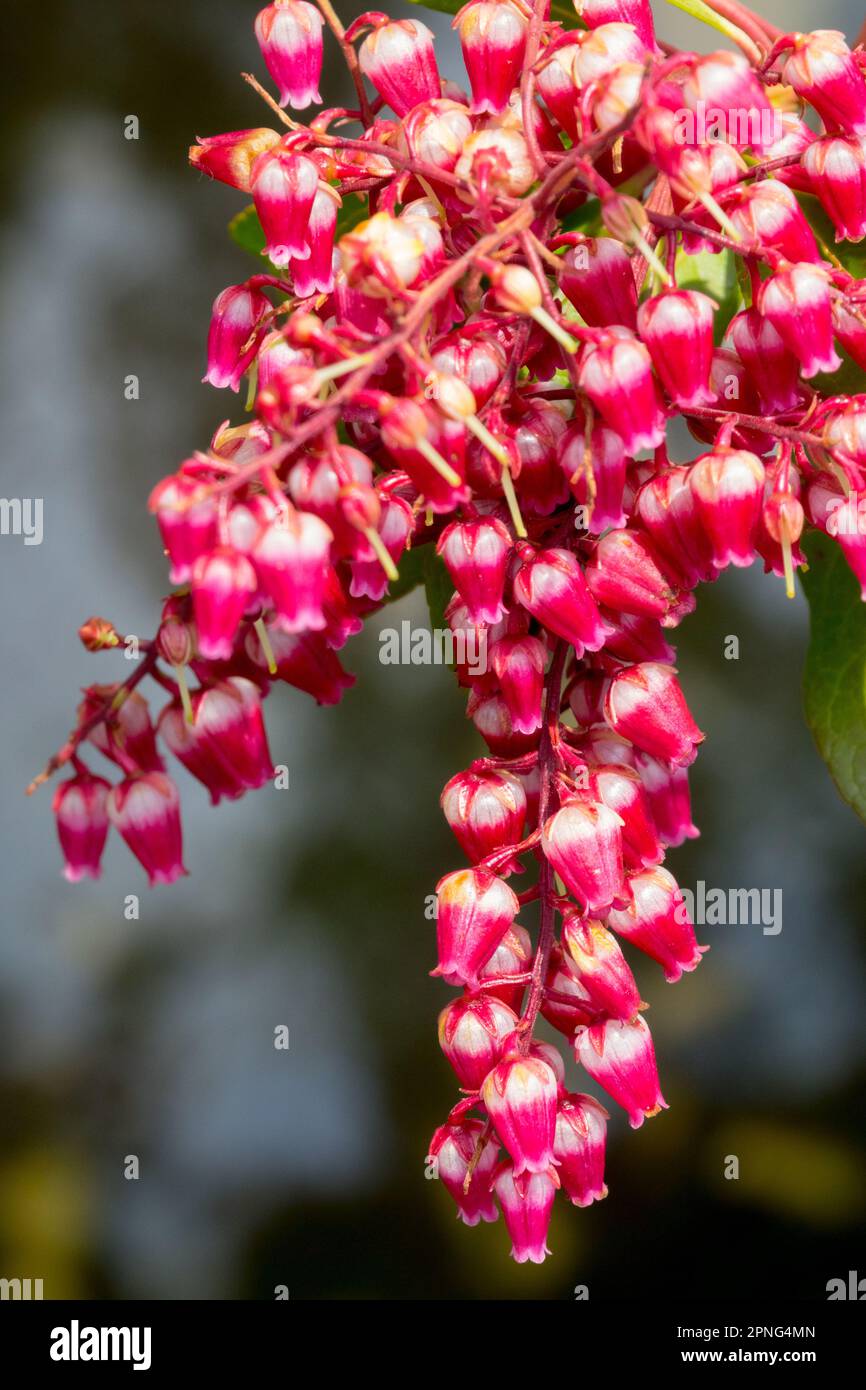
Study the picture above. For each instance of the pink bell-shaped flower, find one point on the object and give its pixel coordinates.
(290, 37)
(284, 187)
(836, 166)
(476, 554)
(453, 1147)
(645, 704)
(79, 808)
(520, 1094)
(579, 1145)
(728, 490)
(527, 1203)
(290, 558)
(657, 922)
(486, 809)
(823, 71)
(798, 304)
(616, 374)
(315, 274)
(493, 39)
(145, 809)
(601, 967)
(234, 335)
(474, 911)
(399, 60)
(621, 1058)
(472, 1031)
(551, 586)
(583, 842)
(677, 327)
(223, 583)
(519, 663)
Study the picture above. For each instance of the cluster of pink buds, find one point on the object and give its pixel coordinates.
(462, 370)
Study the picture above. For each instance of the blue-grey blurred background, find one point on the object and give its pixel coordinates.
(155, 1037)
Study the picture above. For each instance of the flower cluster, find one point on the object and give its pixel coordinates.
(469, 334)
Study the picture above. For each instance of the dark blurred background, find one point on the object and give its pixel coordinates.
(154, 1037)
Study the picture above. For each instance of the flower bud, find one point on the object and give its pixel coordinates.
(621, 1058)
(234, 334)
(475, 910)
(486, 809)
(471, 1033)
(583, 842)
(436, 131)
(230, 157)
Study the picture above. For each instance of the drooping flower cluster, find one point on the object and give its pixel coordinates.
(469, 335)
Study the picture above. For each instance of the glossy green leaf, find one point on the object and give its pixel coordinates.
(561, 10)
(246, 229)
(715, 275)
(834, 678)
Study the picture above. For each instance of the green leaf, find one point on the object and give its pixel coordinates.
(851, 254)
(561, 10)
(698, 10)
(715, 275)
(834, 678)
(246, 229)
(422, 566)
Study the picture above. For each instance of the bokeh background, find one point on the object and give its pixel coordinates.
(306, 908)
